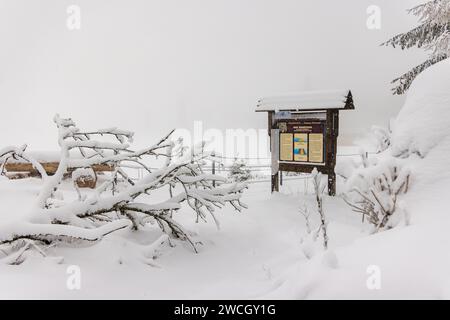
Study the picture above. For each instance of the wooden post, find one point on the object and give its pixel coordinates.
(332, 124)
(275, 183)
(275, 147)
(213, 171)
(331, 184)
(270, 122)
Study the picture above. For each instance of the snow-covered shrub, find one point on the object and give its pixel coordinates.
(382, 137)
(319, 188)
(308, 243)
(108, 208)
(374, 191)
(239, 172)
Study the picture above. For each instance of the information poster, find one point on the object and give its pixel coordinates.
(286, 146)
(302, 141)
(301, 147)
(316, 147)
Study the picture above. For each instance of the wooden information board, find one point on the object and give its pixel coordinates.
(305, 141)
(302, 140)
(303, 129)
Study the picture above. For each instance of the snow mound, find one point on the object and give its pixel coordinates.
(424, 121)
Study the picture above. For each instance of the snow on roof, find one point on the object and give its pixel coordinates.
(312, 100)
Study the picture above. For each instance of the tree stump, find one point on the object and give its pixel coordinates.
(85, 178)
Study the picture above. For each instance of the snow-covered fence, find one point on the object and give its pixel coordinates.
(222, 165)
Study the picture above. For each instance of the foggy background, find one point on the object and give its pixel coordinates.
(153, 65)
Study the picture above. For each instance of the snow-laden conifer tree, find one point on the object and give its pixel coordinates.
(433, 34)
(119, 202)
(239, 172)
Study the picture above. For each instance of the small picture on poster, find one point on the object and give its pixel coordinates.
(301, 147)
(316, 147)
(286, 146)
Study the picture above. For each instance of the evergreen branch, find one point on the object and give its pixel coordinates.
(404, 82)
(420, 36)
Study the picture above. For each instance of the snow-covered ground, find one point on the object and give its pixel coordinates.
(242, 260)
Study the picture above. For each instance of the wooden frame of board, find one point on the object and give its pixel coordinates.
(302, 140)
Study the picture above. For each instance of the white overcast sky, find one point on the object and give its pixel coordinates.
(150, 65)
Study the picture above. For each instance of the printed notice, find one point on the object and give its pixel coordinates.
(286, 146)
(316, 147)
(301, 147)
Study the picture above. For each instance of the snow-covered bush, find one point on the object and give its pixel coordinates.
(239, 172)
(319, 188)
(382, 137)
(374, 189)
(308, 243)
(109, 208)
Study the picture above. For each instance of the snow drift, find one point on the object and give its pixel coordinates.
(424, 121)
(421, 134)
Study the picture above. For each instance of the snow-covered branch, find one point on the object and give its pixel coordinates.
(19, 154)
(119, 201)
(433, 34)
